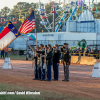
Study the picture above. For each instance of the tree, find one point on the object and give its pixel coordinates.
(21, 9)
(5, 11)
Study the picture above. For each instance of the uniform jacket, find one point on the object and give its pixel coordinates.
(41, 52)
(49, 57)
(35, 60)
(56, 56)
(67, 55)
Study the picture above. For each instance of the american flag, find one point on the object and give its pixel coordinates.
(29, 24)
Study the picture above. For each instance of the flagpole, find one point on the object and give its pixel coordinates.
(96, 8)
(27, 43)
(36, 36)
(23, 37)
(35, 27)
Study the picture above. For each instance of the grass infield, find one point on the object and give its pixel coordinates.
(16, 57)
(44, 95)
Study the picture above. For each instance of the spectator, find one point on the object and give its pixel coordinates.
(91, 53)
(86, 52)
(99, 53)
(6, 51)
(12, 50)
(81, 51)
(71, 51)
(2, 53)
(89, 50)
(96, 52)
(77, 52)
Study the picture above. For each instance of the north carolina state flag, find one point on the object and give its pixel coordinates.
(8, 34)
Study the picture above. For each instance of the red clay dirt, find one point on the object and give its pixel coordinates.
(81, 83)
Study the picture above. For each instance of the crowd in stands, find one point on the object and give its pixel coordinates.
(87, 52)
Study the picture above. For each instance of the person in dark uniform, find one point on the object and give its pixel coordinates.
(66, 61)
(45, 47)
(52, 50)
(49, 62)
(56, 57)
(41, 69)
(39, 64)
(36, 64)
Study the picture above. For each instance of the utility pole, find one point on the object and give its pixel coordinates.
(39, 3)
(89, 3)
(54, 19)
(59, 1)
(64, 2)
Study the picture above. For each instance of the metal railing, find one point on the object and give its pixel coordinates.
(70, 42)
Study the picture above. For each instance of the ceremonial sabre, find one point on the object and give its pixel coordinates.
(44, 67)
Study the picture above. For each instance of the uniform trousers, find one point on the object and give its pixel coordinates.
(66, 71)
(42, 72)
(49, 72)
(56, 70)
(39, 73)
(36, 73)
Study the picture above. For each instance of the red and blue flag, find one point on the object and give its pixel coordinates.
(8, 34)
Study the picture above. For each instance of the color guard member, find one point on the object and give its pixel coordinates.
(56, 57)
(66, 61)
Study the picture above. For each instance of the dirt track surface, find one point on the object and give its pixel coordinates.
(80, 83)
